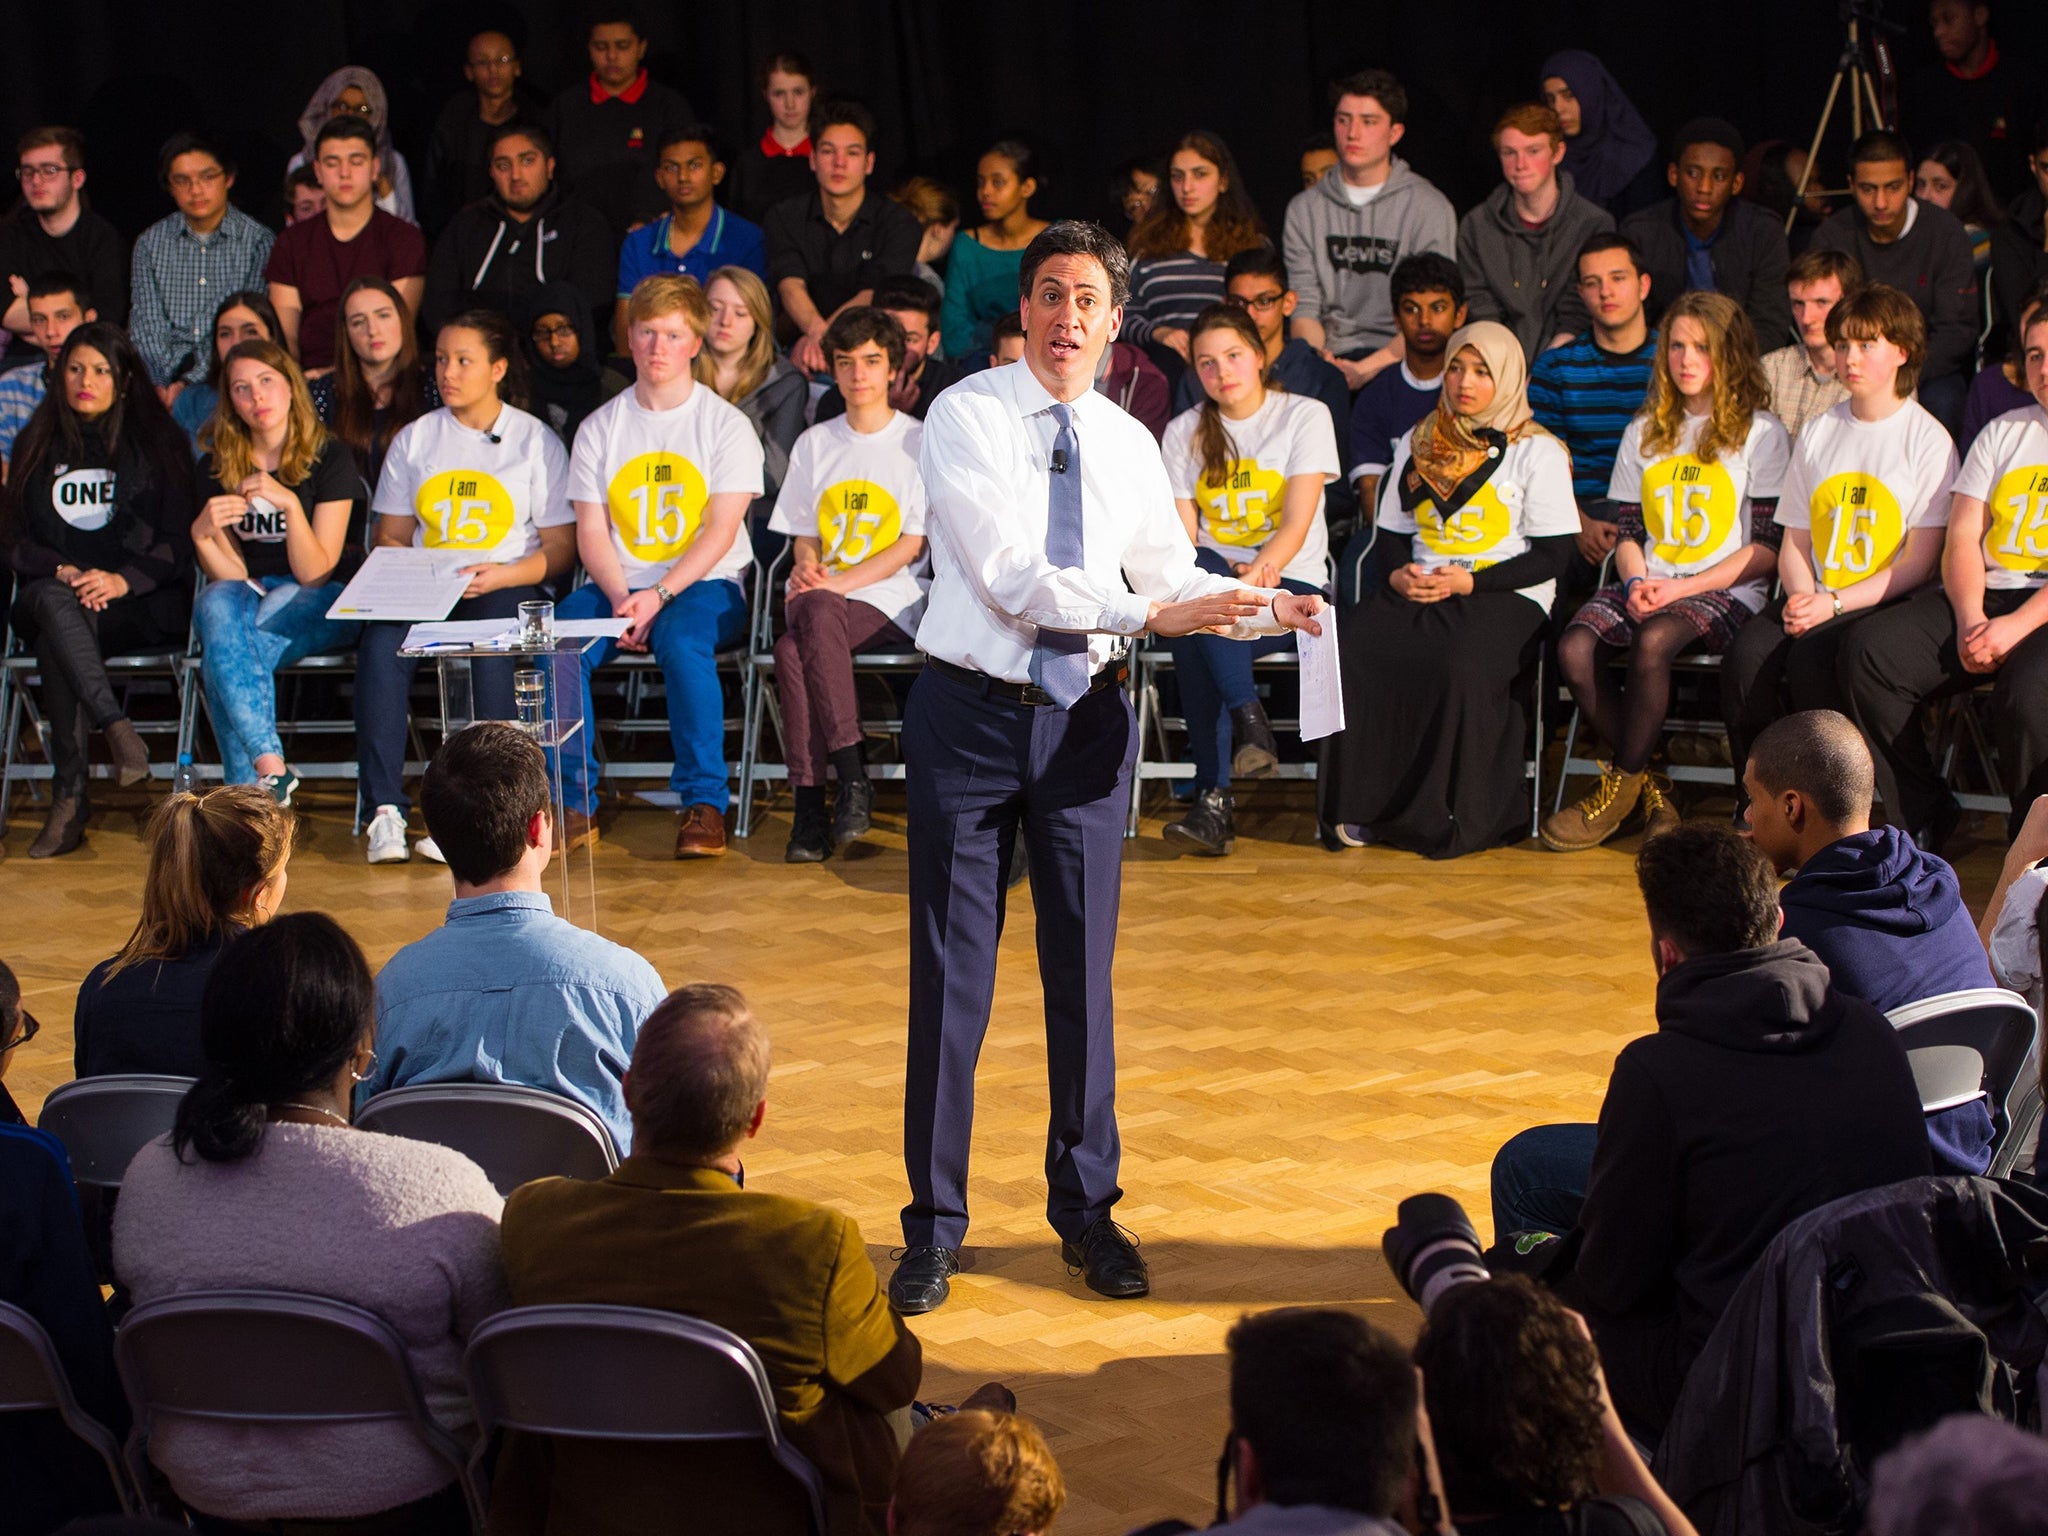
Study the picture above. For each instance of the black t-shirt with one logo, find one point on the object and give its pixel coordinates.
(261, 532)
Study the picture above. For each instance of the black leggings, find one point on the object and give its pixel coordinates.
(1628, 719)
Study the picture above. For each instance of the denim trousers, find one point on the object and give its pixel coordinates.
(1215, 677)
(1540, 1179)
(249, 629)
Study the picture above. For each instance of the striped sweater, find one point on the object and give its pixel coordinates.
(1587, 396)
(1171, 291)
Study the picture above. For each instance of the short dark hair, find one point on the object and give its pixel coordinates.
(858, 326)
(693, 133)
(2035, 141)
(1317, 142)
(606, 13)
(45, 285)
(1327, 1403)
(54, 136)
(1078, 237)
(1609, 240)
(1814, 265)
(1879, 145)
(1006, 324)
(908, 292)
(1513, 1390)
(481, 790)
(1708, 889)
(1379, 84)
(1878, 311)
(1709, 130)
(301, 175)
(1821, 754)
(1256, 261)
(700, 1066)
(785, 63)
(191, 144)
(1426, 272)
(538, 136)
(843, 113)
(344, 128)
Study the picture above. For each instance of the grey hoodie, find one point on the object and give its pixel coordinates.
(1528, 279)
(1339, 257)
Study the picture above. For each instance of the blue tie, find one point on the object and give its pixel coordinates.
(1059, 662)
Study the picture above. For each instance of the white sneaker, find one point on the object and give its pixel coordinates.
(429, 849)
(387, 836)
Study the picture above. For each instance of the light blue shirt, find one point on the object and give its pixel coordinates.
(507, 992)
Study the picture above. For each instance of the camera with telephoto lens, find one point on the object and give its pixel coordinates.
(1433, 1246)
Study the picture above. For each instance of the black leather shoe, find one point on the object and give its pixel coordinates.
(1208, 827)
(1941, 826)
(810, 837)
(1107, 1259)
(1258, 754)
(853, 813)
(923, 1279)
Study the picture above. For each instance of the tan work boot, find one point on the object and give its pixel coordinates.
(1657, 808)
(1598, 816)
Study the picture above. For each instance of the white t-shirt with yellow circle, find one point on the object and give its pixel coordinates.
(1529, 496)
(653, 472)
(1697, 513)
(486, 494)
(857, 493)
(1287, 435)
(1860, 487)
(2007, 470)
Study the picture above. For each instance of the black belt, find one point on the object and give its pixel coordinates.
(1021, 693)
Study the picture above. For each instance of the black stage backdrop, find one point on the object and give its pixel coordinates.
(1090, 82)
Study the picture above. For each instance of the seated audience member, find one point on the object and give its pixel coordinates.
(314, 262)
(661, 479)
(740, 365)
(505, 991)
(1609, 150)
(1005, 342)
(914, 305)
(1428, 295)
(458, 169)
(1318, 155)
(1134, 189)
(2000, 385)
(1802, 373)
(1141, 390)
(1921, 250)
(1969, 1475)
(501, 247)
(1586, 392)
(567, 367)
(1255, 281)
(481, 479)
(1764, 1093)
(216, 869)
(1951, 176)
(264, 1184)
(1706, 237)
(779, 166)
(280, 531)
(982, 266)
(52, 230)
(183, 260)
(1247, 468)
(675, 1229)
(1346, 231)
(1526, 1435)
(57, 305)
(1864, 507)
(95, 513)
(2019, 241)
(379, 384)
(244, 316)
(696, 236)
(2011, 925)
(353, 94)
(831, 247)
(1322, 1426)
(17, 1027)
(1982, 621)
(1696, 480)
(937, 212)
(1476, 520)
(609, 127)
(853, 502)
(1179, 248)
(1972, 91)
(303, 197)
(1519, 249)
(976, 1473)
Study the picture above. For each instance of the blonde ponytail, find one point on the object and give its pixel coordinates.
(206, 853)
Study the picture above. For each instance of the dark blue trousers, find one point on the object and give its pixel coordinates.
(979, 769)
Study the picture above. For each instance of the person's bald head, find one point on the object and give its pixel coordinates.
(1811, 782)
(699, 1076)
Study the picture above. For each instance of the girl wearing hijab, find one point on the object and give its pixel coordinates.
(1608, 148)
(353, 91)
(569, 377)
(1431, 760)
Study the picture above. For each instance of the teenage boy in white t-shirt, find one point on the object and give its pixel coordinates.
(1987, 619)
(1863, 506)
(661, 477)
(853, 501)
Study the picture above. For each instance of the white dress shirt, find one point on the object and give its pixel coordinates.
(987, 466)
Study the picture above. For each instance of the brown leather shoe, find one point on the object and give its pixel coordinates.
(700, 832)
(577, 830)
(64, 831)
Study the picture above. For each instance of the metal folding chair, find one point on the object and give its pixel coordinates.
(516, 1135)
(1982, 1040)
(104, 1121)
(32, 1378)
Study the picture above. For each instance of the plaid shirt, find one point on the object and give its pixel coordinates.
(179, 281)
(1798, 394)
(21, 391)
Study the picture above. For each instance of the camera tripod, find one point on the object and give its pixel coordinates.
(1863, 64)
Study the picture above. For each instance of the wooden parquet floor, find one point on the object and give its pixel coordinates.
(1303, 1040)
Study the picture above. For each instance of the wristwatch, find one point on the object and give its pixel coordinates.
(1838, 603)
(668, 597)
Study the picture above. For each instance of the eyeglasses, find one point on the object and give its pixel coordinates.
(28, 1031)
(1261, 305)
(360, 109)
(28, 173)
(500, 60)
(553, 332)
(184, 183)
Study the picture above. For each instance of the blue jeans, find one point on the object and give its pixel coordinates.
(247, 635)
(706, 617)
(1540, 1178)
(1215, 677)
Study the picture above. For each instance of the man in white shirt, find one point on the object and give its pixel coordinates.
(1043, 497)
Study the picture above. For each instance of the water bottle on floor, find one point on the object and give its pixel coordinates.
(186, 780)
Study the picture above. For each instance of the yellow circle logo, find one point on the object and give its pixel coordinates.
(2018, 536)
(1857, 528)
(1245, 509)
(1688, 507)
(464, 509)
(657, 505)
(856, 519)
(1467, 533)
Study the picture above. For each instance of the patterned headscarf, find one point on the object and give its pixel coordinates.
(1447, 448)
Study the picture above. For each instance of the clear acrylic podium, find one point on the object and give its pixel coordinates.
(572, 878)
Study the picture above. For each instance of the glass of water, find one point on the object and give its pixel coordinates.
(537, 626)
(529, 697)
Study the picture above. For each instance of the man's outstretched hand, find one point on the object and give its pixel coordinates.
(1211, 611)
(1298, 610)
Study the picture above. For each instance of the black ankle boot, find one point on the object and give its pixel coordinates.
(810, 838)
(853, 813)
(1208, 827)
(1258, 754)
